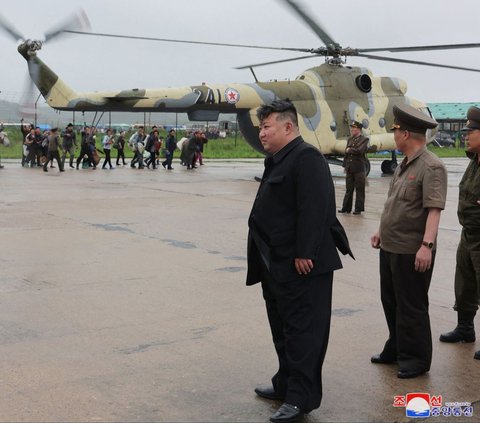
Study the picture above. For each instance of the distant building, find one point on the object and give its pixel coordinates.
(451, 117)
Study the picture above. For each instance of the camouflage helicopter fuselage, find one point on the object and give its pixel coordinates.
(327, 98)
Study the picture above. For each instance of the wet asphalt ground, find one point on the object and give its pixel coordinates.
(123, 298)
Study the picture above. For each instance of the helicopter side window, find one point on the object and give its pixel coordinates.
(365, 123)
(333, 126)
(381, 122)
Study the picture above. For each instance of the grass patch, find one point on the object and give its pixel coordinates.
(439, 151)
(228, 148)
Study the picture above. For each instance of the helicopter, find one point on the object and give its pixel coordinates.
(327, 97)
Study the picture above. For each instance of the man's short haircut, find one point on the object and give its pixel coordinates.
(284, 108)
(417, 136)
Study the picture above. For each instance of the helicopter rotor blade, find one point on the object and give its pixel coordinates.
(416, 62)
(76, 22)
(420, 48)
(279, 61)
(172, 40)
(10, 29)
(27, 102)
(321, 33)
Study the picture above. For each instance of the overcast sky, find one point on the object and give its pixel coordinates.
(97, 64)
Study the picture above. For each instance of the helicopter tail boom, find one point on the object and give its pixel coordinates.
(57, 94)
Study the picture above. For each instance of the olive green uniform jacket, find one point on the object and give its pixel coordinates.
(467, 271)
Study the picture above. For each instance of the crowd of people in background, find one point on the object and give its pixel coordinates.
(40, 148)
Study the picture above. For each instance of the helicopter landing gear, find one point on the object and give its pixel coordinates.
(368, 166)
(389, 166)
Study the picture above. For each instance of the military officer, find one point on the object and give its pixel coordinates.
(354, 164)
(407, 243)
(467, 272)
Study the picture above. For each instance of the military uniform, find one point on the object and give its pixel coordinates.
(467, 271)
(419, 184)
(354, 164)
(53, 145)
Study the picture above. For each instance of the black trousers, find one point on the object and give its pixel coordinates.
(404, 294)
(168, 160)
(151, 160)
(299, 314)
(108, 159)
(137, 158)
(120, 155)
(85, 149)
(354, 182)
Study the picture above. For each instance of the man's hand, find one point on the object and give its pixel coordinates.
(375, 240)
(303, 266)
(423, 259)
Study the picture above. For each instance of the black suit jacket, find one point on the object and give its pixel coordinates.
(292, 215)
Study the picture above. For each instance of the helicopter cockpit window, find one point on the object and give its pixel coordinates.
(365, 123)
(381, 122)
(333, 126)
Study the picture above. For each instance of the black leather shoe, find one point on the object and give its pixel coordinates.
(477, 355)
(286, 413)
(268, 393)
(458, 335)
(410, 374)
(357, 212)
(378, 359)
(343, 211)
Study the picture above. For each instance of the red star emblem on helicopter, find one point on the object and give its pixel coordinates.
(232, 96)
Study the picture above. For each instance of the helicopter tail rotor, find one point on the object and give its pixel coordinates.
(28, 49)
(10, 29)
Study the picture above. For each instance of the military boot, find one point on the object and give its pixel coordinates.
(477, 355)
(464, 332)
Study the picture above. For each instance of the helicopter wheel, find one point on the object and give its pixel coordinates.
(389, 166)
(368, 166)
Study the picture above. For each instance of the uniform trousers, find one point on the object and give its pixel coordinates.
(53, 155)
(467, 273)
(354, 182)
(299, 313)
(71, 152)
(404, 294)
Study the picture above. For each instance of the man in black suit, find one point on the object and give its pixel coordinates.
(292, 252)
